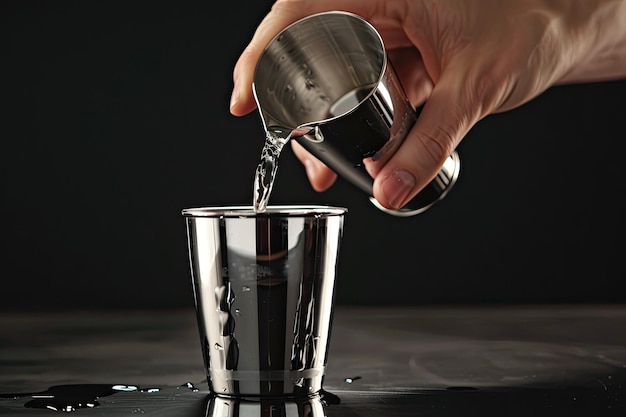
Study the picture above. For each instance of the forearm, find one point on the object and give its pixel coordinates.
(601, 27)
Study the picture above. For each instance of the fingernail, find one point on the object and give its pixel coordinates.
(234, 98)
(397, 186)
(309, 167)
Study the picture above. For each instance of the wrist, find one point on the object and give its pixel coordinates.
(599, 30)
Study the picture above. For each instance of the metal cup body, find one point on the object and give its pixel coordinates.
(327, 80)
(312, 406)
(263, 289)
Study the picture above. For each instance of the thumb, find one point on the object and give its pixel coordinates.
(444, 120)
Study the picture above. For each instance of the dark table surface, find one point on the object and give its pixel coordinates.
(560, 360)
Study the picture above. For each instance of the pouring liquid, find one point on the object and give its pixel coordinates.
(275, 140)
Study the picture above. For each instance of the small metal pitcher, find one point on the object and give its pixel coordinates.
(326, 82)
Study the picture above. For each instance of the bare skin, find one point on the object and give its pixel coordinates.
(462, 59)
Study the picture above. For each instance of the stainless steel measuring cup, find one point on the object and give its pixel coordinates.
(326, 82)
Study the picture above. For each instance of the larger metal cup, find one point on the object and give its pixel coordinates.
(263, 288)
(326, 80)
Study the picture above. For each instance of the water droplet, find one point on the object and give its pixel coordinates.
(151, 390)
(191, 386)
(319, 136)
(126, 388)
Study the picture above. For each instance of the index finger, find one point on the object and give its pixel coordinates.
(282, 14)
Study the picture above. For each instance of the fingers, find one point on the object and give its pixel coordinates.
(409, 67)
(320, 176)
(444, 121)
(283, 13)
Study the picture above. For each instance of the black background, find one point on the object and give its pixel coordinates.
(115, 118)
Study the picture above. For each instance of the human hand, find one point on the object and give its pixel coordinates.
(461, 59)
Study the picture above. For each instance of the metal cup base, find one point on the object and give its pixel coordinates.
(434, 191)
(224, 406)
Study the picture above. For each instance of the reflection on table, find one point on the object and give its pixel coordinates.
(434, 361)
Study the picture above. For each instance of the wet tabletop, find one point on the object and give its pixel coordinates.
(383, 361)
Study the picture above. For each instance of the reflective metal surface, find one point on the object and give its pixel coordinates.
(263, 288)
(312, 406)
(326, 82)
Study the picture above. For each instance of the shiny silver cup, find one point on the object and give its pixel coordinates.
(326, 82)
(263, 287)
(310, 406)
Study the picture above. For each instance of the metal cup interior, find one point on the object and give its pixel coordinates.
(316, 68)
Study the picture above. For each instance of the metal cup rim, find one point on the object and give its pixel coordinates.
(247, 211)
